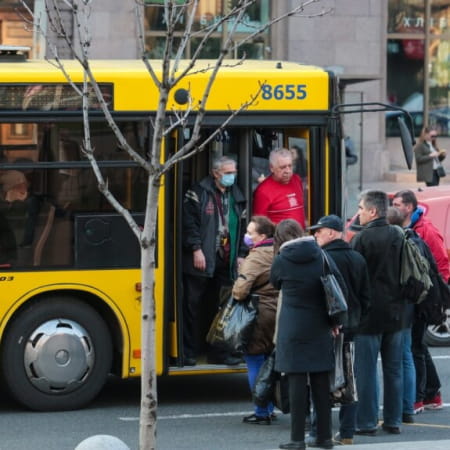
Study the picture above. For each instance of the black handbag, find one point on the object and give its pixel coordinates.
(441, 171)
(233, 324)
(336, 303)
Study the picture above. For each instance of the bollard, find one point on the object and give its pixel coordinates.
(102, 442)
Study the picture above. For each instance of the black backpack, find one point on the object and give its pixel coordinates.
(432, 308)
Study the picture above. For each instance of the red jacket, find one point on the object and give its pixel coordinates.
(432, 236)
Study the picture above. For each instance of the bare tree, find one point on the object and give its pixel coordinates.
(163, 123)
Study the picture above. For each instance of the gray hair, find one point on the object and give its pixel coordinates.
(378, 200)
(218, 163)
(274, 154)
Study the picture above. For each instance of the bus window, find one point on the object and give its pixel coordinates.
(40, 203)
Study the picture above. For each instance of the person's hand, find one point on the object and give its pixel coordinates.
(335, 330)
(434, 154)
(240, 261)
(199, 260)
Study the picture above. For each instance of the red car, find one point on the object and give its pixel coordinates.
(436, 203)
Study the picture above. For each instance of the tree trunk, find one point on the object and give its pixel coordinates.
(147, 429)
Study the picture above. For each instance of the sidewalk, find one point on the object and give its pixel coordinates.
(408, 445)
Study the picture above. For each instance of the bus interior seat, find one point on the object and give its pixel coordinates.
(41, 241)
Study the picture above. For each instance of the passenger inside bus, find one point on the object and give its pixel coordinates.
(213, 230)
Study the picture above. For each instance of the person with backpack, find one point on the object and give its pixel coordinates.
(380, 332)
(428, 385)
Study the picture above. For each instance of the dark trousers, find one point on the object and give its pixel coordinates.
(200, 303)
(427, 378)
(435, 180)
(298, 397)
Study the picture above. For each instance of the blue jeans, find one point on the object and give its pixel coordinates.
(367, 348)
(409, 374)
(254, 363)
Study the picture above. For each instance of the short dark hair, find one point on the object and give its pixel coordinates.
(408, 197)
(263, 225)
(375, 199)
(286, 230)
(394, 216)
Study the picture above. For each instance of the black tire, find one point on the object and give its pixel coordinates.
(49, 342)
(439, 335)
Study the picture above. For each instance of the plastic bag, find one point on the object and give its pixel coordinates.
(337, 378)
(265, 382)
(232, 326)
(347, 393)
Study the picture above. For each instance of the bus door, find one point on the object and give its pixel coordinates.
(235, 143)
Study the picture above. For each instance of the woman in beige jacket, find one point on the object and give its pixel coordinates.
(253, 278)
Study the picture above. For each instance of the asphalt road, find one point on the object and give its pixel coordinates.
(196, 412)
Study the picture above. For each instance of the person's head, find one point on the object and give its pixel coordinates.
(327, 229)
(15, 185)
(286, 230)
(224, 171)
(433, 136)
(260, 228)
(395, 217)
(425, 134)
(372, 205)
(281, 165)
(406, 202)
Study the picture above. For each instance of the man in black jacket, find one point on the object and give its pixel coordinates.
(213, 228)
(381, 330)
(328, 233)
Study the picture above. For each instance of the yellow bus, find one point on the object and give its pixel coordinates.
(69, 265)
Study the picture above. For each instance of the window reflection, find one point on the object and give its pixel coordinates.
(209, 13)
(406, 76)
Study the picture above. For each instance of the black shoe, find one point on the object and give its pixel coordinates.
(257, 420)
(189, 362)
(294, 445)
(391, 430)
(228, 360)
(327, 443)
(408, 418)
(372, 432)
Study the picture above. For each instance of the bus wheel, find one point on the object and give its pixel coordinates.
(56, 355)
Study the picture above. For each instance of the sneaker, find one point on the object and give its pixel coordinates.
(418, 407)
(434, 403)
(338, 440)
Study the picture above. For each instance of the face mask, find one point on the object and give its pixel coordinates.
(227, 179)
(248, 240)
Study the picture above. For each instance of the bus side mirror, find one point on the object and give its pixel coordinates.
(407, 141)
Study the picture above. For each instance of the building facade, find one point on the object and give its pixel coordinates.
(382, 50)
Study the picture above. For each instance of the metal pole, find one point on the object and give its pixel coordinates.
(426, 62)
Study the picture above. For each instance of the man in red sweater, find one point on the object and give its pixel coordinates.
(280, 196)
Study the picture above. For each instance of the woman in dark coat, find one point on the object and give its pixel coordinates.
(254, 278)
(304, 337)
